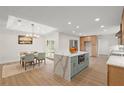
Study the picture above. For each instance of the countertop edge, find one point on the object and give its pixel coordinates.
(71, 55)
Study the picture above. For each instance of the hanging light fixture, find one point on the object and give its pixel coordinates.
(33, 35)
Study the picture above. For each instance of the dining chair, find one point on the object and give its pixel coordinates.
(28, 59)
(21, 60)
(40, 57)
(22, 54)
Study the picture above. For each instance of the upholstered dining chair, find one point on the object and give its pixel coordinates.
(40, 57)
(22, 54)
(28, 59)
(21, 60)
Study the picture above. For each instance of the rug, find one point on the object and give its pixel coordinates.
(16, 68)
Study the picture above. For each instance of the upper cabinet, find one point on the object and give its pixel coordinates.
(120, 34)
(122, 29)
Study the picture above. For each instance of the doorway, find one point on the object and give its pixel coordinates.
(88, 47)
(50, 49)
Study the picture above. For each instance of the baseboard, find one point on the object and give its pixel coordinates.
(1, 66)
(9, 62)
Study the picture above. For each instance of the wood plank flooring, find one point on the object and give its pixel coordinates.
(94, 75)
(0, 73)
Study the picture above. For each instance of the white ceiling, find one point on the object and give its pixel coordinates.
(58, 17)
(19, 24)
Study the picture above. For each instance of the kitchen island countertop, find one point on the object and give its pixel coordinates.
(67, 65)
(116, 61)
(71, 54)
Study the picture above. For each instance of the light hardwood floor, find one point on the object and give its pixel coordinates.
(0, 74)
(94, 75)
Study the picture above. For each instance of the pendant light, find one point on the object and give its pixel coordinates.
(33, 35)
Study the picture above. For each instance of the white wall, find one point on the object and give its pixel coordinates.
(10, 49)
(61, 41)
(105, 42)
(64, 42)
(52, 36)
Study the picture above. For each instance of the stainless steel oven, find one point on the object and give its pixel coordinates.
(81, 59)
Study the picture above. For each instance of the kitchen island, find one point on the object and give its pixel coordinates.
(67, 65)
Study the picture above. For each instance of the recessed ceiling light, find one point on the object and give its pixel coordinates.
(77, 26)
(73, 32)
(69, 23)
(97, 19)
(102, 26)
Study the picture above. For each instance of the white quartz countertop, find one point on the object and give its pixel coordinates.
(117, 52)
(116, 61)
(71, 54)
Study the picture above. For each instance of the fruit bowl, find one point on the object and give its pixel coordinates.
(73, 50)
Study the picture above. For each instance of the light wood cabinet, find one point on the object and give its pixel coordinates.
(94, 51)
(93, 40)
(115, 76)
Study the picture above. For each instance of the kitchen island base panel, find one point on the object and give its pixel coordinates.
(80, 71)
(68, 66)
(62, 66)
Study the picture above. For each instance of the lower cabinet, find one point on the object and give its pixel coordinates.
(75, 67)
(115, 76)
(87, 58)
(74, 64)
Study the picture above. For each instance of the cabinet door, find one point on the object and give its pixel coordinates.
(72, 70)
(74, 65)
(80, 67)
(115, 76)
(87, 58)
